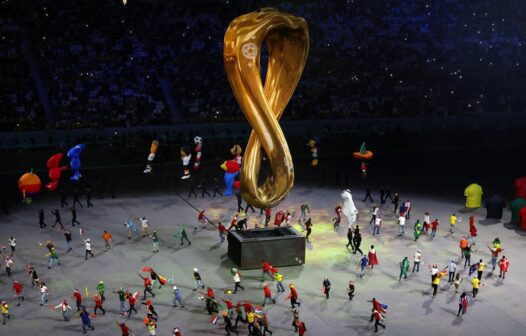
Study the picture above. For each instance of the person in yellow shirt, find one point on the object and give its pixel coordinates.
(475, 282)
(279, 284)
(482, 265)
(5, 312)
(436, 280)
(452, 222)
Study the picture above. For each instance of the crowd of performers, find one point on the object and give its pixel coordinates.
(86, 306)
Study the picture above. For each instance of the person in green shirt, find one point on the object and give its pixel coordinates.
(101, 288)
(155, 241)
(53, 257)
(122, 299)
(404, 268)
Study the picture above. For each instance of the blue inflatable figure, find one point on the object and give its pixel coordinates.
(74, 156)
(231, 169)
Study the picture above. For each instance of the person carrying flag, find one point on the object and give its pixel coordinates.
(463, 304)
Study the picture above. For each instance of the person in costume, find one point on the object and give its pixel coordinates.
(293, 296)
(350, 289)
(151, 156)
(373, 259)
(313, 145)
(377, 225)
(86, 320)
(434, 227)
(65, 308)
(362, 264)
(186, 156)
(326, 286)
(101, 289)
(267, 269)
(427, 221)
(337, 220)
(98, 304)
(404, 268)
(147, 286)
(198, 149)
(231, 168)
(18, 289)
(418, 229)
(130, 227)
(304, 212)
(308, 227)
(267, 295)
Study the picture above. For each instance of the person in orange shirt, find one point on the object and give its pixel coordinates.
(463, 245)
(107, 238)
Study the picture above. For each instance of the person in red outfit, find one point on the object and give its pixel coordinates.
(302, 328)
(125, 331)
(222, 231)
(503, 265)
(373, 259)
(98, 304)
(267, 295)
(472, 228)
(78, 298)
(279, 218)
(293, 296)
(18, 288)
(522, 215)
(267, 269)
(377, 318)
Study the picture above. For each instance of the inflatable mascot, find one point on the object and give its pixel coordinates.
(55, 171)
(74, 156)
(349, 209)
(29, 184)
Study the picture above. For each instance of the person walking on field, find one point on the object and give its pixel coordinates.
(404, 268)
(107, 237)
(503, 265)
(462, 304)
(416, 261)
(326, 287)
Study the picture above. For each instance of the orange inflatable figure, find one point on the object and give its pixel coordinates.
(29, 184)
(55, 172)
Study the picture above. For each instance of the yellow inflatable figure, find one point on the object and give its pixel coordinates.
(473, 195)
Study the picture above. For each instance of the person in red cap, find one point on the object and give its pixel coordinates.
(293, 296)
(267, 295)
(78, 298)
(18, 288)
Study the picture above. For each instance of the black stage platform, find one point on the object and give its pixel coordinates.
(282, 246)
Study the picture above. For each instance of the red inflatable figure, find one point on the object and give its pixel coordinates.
(520, 187)
(55, 172)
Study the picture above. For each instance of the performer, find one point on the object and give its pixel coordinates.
(268, 215)
(279, 218)
(293, 296)
(216, 188)
(503, 265)
(337, 220)
(373, 259)
(305, 212)
(472, 228)
(202, 186)
(198, 142)
(41, 219)
(151, 157)
(350, 289)
(462, 304)
(326, 287)
(308, 227)
(267, 295)
(186, 156)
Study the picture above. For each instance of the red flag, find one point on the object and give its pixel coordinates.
(146, 269)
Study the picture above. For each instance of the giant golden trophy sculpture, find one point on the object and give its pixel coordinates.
(287, 39)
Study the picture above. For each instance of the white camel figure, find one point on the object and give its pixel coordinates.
(349, 209)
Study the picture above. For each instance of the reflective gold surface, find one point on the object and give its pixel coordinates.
(287, 40)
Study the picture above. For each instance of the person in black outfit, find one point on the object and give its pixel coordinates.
(357, 241)
(63, 201)
(248, 206)
(74, 217)
(57, 218)
(192, 188)
(368, 194)
(239, 200)
(382, 195)
(396, 200)
(349, 239)
(88, 198)
(41, 219)
(308, 227)
(202, 186)
(76, 199)
(67, 235)
(228, 324)
(216, 188)
(387, 194)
